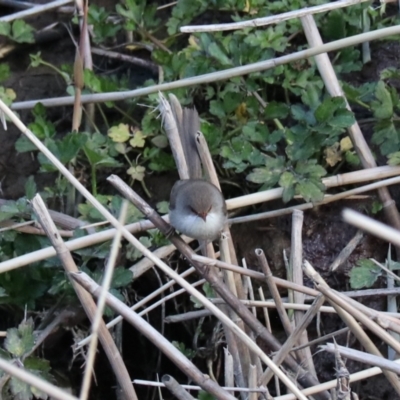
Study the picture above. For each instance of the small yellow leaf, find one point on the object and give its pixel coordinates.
(241, 113)
(120, 133)
(137, 173)
(333, 155)
(132, 47)
(346, 144)
(193, 42)
(11, 94)
(137, 140)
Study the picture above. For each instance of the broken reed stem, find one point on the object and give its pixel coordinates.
(171, 124)
(86, 300)
(346, 251)
(296, 262)
(263, 263)
(343, 310)
(176, 356)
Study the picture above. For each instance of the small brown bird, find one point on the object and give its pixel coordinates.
(197, 209)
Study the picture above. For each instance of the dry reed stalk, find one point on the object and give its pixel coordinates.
(86, 300)
(253, 382)
(296, 262)
(217, 285)
(348, 178)
(293, 338)
(269, 327)
(155, 337)
(249, 303)
(175, 388)
(363, 357)
(326, 337)
(273, 19)
(124, 57)
(35, 10)
(171, 119)
(228, 370)
(98, 317)
(216, 76)
(343, 390)
(194, 387)
(326, 200)
(263, 263)
(346, 252)
(371, 226)
(343, 310)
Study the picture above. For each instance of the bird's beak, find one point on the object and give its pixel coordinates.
(203, 216)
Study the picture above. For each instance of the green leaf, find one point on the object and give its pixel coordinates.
(287, 182)
(20, 341)
(20, 390)
(310, 191)
(276, 110)
(71, 145)
(122, 277)
(22, 32)
(394, 158)
(160, 141)
(163, 207)
(4, 71)
(364, 275)
(216, 52)
(23, 144)
(37, 364)
(269, 175)
(30, 188)
(383, 108)
(5, 28)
